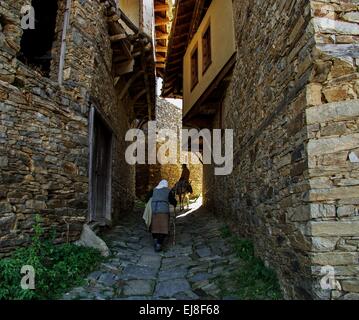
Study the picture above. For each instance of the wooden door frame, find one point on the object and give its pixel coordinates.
(108, 214)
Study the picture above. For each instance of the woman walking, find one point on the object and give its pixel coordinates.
(162, 197)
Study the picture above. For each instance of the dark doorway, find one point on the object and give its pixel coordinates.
(100, 170)
(36, 44)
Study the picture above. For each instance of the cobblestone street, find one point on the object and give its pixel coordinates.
(187, 270)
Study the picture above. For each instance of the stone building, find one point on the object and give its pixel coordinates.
(287, 84)
(69, 90)
(168, 117)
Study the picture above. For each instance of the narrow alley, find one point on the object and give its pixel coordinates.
(188, 270)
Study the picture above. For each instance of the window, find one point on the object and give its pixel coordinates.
(194, 68)
(207, 49)
(36, 44)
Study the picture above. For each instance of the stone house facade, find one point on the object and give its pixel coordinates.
(65, 105)
(291, 97)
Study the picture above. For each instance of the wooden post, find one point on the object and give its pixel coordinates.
(174, 227)
(91, 152)
(147, 84)
(109, 184)
(63, 42)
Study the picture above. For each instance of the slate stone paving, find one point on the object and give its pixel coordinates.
(188, 270)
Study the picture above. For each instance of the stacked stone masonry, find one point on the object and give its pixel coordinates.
(44, 127)
(293, 103)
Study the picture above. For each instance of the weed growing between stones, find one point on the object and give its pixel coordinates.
(252, 280)
(57, 268)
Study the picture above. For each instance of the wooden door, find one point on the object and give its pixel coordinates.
(101, 168)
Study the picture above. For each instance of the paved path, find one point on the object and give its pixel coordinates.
(188, 270)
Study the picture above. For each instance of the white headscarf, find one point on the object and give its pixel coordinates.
(162, 184)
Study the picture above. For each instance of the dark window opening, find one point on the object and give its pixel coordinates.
(207, 49)
(194, 68)
(36, 44)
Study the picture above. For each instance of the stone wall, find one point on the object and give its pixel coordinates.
(44, 151)
(294, 190)
(168, 116)
(333, 146)
(333, 157)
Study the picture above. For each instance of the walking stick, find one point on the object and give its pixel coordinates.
(174, 227)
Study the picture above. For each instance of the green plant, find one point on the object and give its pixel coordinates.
(252, 280)
(225, 232)
(57, 267)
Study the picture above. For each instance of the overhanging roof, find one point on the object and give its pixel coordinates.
(163, 19)
(188, 16)
(133, 66)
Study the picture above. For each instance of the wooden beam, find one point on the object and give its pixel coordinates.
(161, 21)
(123, 47)
(197, 14)
(118, 37)
(160, 73)
(166, 92)
(160, 65)
(173, 68)
(160, 59)
(123, 68)
(179, 36)
(113, 18)
(180, 60)
(147, 85)
(185, 16)
(130, 83)
(179, 45)
(160, 7)
(139, 95)
(170, 82)
(183, 26)
(171, 76)
(186, 3)
(63, 41)
(162, 35)
(161, 48)
(120, 15)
